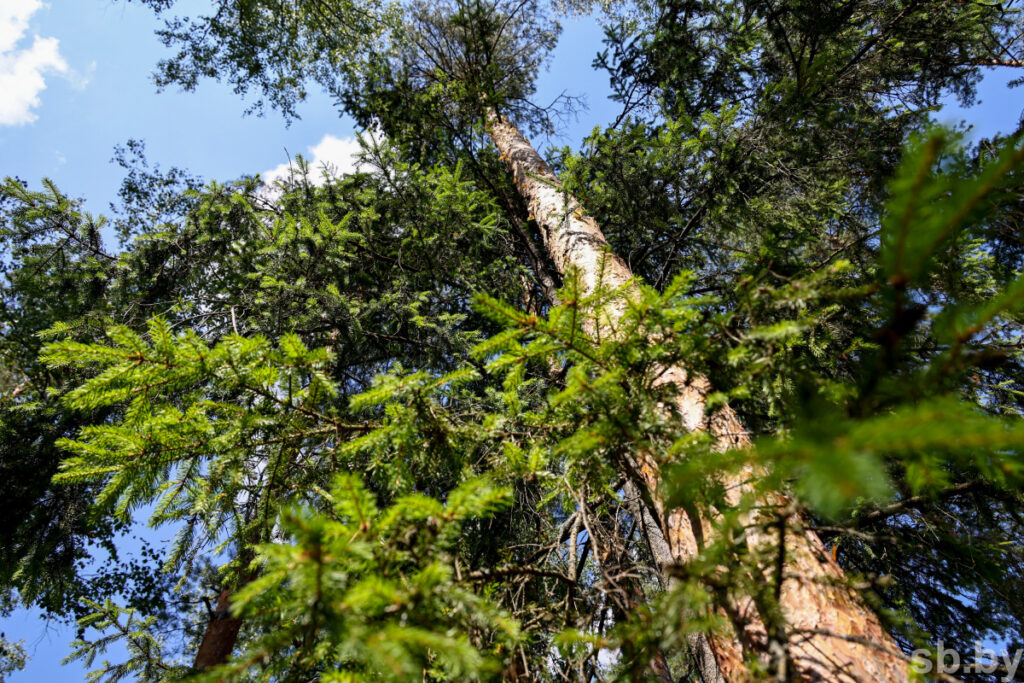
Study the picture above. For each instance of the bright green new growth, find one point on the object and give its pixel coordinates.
(371, 591)
(371, 413)
(207, 428)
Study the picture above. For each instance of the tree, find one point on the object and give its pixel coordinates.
(55, 272)
(784, 268)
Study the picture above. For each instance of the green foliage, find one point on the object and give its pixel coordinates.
(866, 446)
(448, 61)
(54, 272)
(347, 592)
(412, 455)
(194, 411)
(361, 593)
(925, 210)
(277, 58)
(136, 633)
(12, 656)
(194, 459)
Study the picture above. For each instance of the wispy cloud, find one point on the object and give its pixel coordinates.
(332, 154)
(22, 69)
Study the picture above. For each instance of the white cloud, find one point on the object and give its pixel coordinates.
(78, 79)
(14, 16)
(21, 70)
(332, 154)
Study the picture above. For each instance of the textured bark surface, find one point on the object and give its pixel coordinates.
(833, 635)
(220, 636)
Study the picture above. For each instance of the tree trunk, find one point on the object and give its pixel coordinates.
(832, 635)
(220, 636)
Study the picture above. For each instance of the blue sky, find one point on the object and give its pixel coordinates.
(99, 93)
(75, 81)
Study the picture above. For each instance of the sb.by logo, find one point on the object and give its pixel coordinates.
(945, 660)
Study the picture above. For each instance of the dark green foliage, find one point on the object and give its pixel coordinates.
(304, 41)
(367, 410)
(224, 415)
(756, 151)
(54, 271)
(448, 61)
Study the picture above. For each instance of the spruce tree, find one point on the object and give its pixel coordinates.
(441, 422)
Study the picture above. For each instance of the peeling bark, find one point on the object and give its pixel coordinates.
(832, 635)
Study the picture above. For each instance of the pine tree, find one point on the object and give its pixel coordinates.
(531, 425)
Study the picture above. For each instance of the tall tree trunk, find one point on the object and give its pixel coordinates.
(832, 635)
(220, 635)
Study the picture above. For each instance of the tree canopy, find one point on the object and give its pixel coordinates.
(400, 434)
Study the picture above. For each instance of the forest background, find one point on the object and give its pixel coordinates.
(98, 94)
(105, 96)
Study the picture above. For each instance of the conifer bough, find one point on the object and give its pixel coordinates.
(419, 72)
(834, 635)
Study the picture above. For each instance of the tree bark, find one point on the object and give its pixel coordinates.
(220, 636)
(831, 634)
